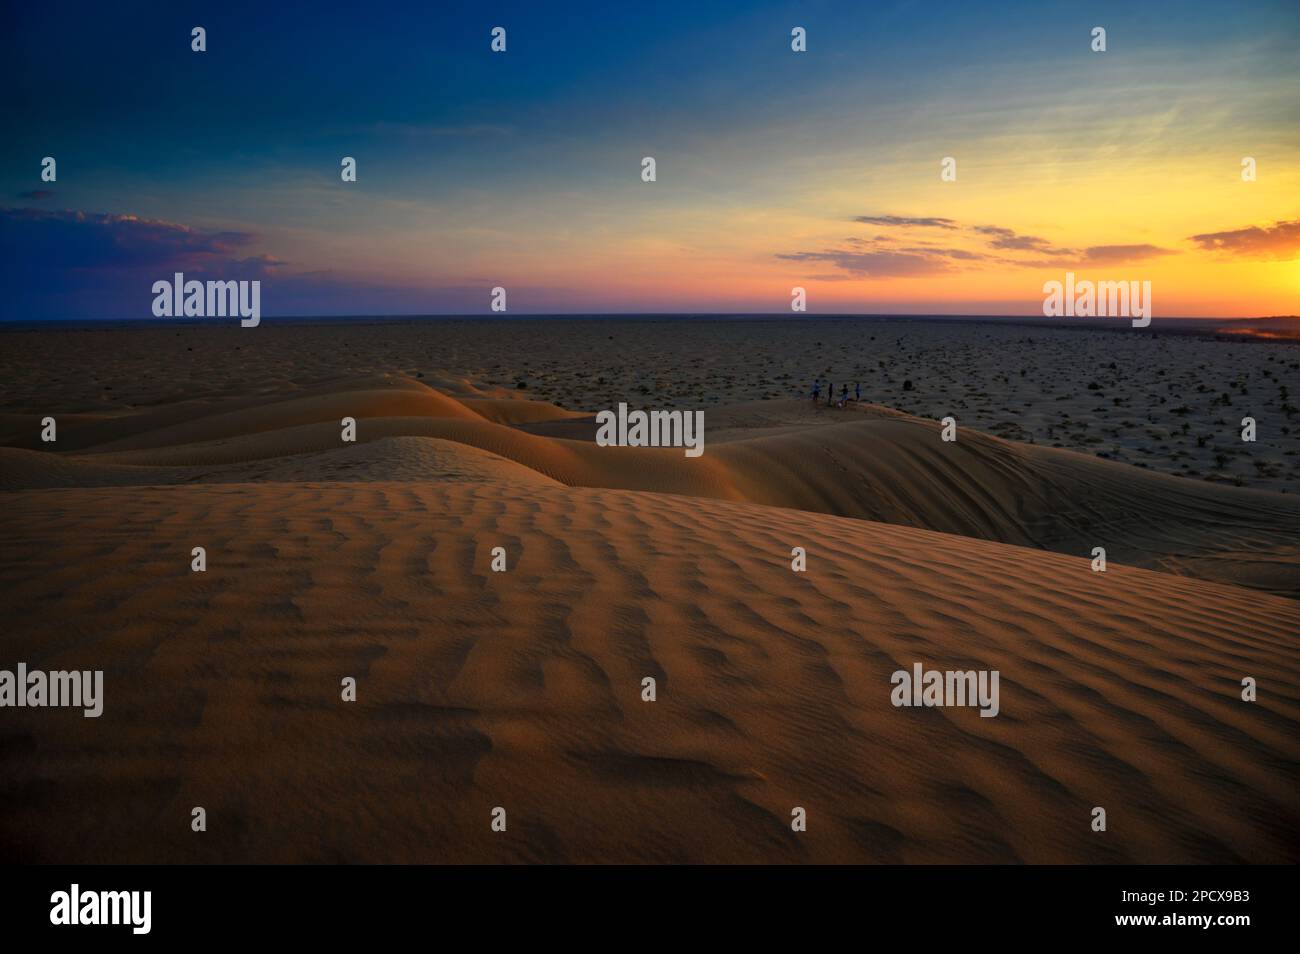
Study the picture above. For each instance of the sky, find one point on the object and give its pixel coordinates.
(774, 169)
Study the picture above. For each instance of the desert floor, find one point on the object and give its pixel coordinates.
(523, 689)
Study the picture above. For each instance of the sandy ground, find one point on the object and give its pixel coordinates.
(522, 689)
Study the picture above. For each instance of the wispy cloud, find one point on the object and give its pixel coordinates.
(47, 239)
(1009, 240)
(1280, 240)
(907, 221)
(883, 256)
(70, 263)
(878, 263)
(1113, 254)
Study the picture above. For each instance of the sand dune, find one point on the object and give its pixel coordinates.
(502, 411)
(522, 689)
(894, 468)
(1167, 401)
(870, 463)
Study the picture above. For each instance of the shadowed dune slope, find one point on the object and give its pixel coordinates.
(896, 469)
(523, 689)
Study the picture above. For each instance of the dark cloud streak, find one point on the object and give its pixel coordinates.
(1280, 240)
(904, 221)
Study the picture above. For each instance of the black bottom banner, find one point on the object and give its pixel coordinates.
(133, 905)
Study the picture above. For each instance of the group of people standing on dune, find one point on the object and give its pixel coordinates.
(830, 393)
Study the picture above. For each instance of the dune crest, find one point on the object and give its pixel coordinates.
(869, 463)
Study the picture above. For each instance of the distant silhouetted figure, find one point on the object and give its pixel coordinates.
(817, 390)
(844, 395)
(857, 390)
(830, 393)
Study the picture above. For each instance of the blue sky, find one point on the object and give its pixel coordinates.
(477, 169)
